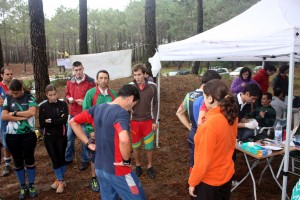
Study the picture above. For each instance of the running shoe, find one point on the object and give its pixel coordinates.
(23, 193)
(55, 185)
(32, 192)
(151, 173)
(138, 171)
(95, 185)
(6, 170)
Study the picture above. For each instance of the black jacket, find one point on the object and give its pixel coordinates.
(58, 113)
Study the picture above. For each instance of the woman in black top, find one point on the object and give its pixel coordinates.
(53, 116)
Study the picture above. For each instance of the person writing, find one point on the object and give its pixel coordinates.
(214, 140)
(53, 116)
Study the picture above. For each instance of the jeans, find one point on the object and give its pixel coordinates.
(126, 187)
(70, 150)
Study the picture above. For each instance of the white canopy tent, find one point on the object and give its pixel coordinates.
(268, 31)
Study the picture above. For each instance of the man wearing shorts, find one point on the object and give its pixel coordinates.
(143, 123)
(113, 146)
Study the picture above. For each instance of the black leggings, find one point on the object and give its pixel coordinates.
(208, 192)
(56, 149)
(22, 148)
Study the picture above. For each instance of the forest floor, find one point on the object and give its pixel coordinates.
(171, 159)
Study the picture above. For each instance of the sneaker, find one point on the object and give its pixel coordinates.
(6, 170)
(151, 173)
(95, 185)
(61, 186)
(32, 192)
(55, 185)
(138, 171)
(23, 193)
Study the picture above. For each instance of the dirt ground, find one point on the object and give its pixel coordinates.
(171, 158)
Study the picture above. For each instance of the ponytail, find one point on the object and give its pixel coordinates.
(229, 108)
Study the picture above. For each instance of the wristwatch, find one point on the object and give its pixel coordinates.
(126, 162)
(15, 113)
(90, 141)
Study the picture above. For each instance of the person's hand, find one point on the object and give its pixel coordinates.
(92, 147)
(191, 191)
(48, 120)
(79, 101)
(11, 113)
(243, 84)
(262, 114)
(251, 124)
(154, 127)
(1, 101)
(71, 100)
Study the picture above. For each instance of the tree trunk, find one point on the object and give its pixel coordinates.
(196, 65)
(1, 55)
(150, 31)
(38, 43)
(83, 45)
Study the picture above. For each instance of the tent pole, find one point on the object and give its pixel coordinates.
(158, 110)
(288, 126)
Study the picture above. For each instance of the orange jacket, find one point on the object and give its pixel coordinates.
(214, 147)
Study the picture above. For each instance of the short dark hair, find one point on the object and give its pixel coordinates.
(5, 68)
(246, 69)
(49, 88)
(77, 64)
(283, 68)
(139, 66)
(102, 71)
(210, 75)
(270, 67)
(269, 95)
(16, 85)
(277, 92)
(128, 90)
(253, 90)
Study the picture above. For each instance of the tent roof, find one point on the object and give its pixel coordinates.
(268, 29)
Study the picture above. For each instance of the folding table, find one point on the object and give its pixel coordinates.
(257, 159)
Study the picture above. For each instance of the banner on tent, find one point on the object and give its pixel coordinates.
(64, 62)
(117, 63)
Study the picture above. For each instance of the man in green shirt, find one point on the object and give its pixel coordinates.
(95, 96)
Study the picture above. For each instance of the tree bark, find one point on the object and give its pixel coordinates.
(1, 55)
(150, 31)
(196, 65)
(83, 45)
(38, 43)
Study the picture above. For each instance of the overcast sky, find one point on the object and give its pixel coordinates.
(51, 5)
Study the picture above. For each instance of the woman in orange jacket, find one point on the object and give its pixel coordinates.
(211, 175)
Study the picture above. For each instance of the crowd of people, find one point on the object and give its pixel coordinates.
(110, 124)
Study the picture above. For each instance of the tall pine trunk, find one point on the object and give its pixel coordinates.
(38, 43)
(83, 45)
(196, 65)
(150, 31)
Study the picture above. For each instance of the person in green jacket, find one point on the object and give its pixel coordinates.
(95, 96)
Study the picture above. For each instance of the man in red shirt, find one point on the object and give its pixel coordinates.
(6, 75)
(262, 77)
(76, 89)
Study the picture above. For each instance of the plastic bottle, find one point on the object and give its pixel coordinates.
(278, 134)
